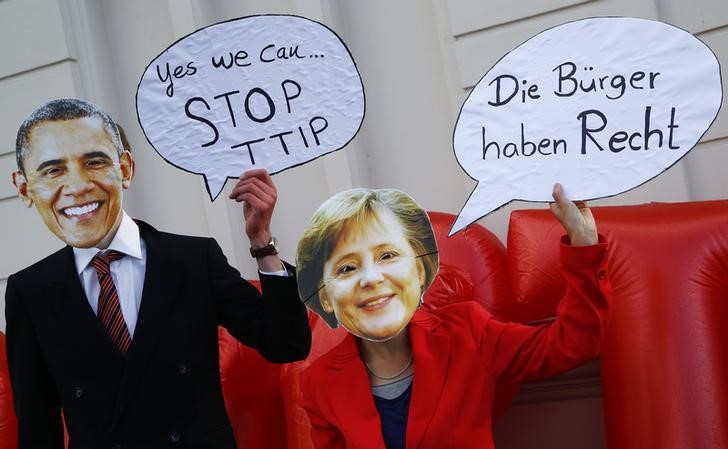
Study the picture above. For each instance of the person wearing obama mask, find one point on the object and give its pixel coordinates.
(119, 329)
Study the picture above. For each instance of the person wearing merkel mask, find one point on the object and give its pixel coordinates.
(405, 377)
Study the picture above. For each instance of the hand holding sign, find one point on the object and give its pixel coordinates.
(576, 218)
(601, 105)
(258, 92)
(255, 189)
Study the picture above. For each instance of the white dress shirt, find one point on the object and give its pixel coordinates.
(127, 272)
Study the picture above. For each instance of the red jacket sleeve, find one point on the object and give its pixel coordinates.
(517, 352)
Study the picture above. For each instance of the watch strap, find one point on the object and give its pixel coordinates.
(269, 249)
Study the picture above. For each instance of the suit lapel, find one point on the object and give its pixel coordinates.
(161, 285)
(432, 354)
(82, 328)
(351, 398)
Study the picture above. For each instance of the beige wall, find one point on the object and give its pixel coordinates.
(417, 59)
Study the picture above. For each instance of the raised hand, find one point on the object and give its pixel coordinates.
(258, 194)
(576, 218)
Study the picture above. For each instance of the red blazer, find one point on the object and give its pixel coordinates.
(460, 353)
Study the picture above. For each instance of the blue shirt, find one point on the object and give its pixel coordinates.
(393, 413)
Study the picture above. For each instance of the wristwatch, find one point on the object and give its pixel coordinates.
(269, 249)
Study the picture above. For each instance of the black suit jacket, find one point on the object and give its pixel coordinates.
(166, 393)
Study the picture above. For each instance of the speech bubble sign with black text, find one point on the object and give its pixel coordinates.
(269, 91)
(601, 105)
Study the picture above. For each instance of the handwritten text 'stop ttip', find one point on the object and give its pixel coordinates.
(268, 91)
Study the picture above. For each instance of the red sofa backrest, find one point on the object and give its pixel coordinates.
(253, 398)
(473, 267)
(253, 394)
(8, 423)
(664, 359)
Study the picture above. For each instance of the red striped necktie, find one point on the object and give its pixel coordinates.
(109, 308)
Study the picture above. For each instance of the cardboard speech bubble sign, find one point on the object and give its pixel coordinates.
(271, 91)
(601, 105)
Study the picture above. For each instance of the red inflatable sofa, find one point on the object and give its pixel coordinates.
(664, 362)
